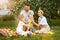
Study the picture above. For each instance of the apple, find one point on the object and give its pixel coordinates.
(50, 32)
(33, 34)
(25, 35)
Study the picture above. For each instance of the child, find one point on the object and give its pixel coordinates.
(21, 26)
(42, 25)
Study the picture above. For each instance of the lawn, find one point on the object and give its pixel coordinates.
(13, 24)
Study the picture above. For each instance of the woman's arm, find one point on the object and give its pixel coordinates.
(38, 25)
(35, 24)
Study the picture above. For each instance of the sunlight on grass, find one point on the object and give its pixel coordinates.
(11, 24)
(47, 37)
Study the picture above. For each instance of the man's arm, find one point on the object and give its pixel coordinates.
(25, 27)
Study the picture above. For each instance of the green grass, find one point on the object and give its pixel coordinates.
(55, 22)
(12, 25)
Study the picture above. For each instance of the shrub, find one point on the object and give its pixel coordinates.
(8, 17)
(54, 22)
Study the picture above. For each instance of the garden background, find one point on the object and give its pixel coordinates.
(51, 11)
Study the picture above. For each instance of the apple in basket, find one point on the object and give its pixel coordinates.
(6, 30)
(11, 33)
(3, 30)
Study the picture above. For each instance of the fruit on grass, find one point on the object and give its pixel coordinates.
(3, 30)
(50, 32)
(15, 34)
(10, 33)
(33, 34)
(7, 31)
(25, 35)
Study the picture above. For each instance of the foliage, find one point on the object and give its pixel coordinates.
(55, 22)
(17, 7)
(10, 24)
(7, 18)
(50, 8)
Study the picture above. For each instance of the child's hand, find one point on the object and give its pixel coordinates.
(33, 22)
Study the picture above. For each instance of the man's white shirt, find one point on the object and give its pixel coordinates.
(25, 14)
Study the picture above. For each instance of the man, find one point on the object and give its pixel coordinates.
(26, 12)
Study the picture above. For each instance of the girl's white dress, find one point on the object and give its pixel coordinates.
(45, 27)
(20, 30)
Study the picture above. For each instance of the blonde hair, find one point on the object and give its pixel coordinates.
(41, 10)
(20, 17)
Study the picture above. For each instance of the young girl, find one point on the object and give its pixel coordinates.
(21, 26)
(42, 25)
